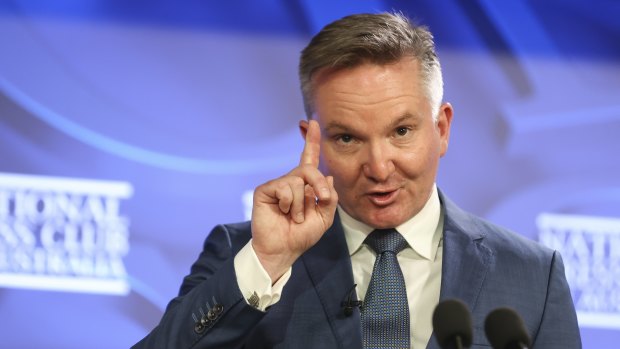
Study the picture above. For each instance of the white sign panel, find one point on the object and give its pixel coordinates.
(590, 248)
(63, 234)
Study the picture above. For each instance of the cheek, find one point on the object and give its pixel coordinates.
(330, 162)
(341, 168)
(419, 160)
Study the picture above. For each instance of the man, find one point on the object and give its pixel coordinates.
(290, 278)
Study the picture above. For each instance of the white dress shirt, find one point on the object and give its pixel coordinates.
(420, 264)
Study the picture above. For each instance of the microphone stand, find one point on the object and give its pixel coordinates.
(459, 342)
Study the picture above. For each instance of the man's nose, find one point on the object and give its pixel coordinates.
(378, 163)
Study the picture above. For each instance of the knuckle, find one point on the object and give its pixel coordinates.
(297, 181)
(281, 185)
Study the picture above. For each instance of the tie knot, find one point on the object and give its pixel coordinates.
(382, 240)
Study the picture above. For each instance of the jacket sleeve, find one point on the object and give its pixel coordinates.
(210, 311)
(558, 328)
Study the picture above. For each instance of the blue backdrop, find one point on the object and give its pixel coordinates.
(128, 129)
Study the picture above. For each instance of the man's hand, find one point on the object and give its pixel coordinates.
(291, 213)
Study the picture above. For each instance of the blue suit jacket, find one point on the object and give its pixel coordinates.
(483, 265)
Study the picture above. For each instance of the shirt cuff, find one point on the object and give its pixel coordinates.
(254, 281)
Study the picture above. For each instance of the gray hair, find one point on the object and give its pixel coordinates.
(371, 38)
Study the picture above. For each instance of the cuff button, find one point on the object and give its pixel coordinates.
(199, 328)
(211, 315)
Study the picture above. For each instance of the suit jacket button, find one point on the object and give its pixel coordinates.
(199, 327)
(211, 315)
(204, 321)
(218, 308)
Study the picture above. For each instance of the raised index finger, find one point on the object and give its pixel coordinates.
(312, 147)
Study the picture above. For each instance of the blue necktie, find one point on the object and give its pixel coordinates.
(385, 314)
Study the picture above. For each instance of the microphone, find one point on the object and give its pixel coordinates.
(348, 304)
(505, 330)
(452, 324)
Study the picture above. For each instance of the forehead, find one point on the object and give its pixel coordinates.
(370, 90)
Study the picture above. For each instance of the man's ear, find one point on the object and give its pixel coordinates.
(303, 128)
(444, 121)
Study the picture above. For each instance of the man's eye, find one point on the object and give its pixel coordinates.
(345, 138)
(401, 131)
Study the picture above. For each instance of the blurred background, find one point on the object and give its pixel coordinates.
(128, 129)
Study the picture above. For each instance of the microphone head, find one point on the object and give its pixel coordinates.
(451, 319)
(505, 329)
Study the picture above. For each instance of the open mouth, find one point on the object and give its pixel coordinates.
(381, 195)
(383, 198)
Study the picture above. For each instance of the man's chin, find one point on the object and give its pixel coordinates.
(384, 219)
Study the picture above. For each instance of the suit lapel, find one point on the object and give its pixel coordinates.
(329, 266)
(466, 259)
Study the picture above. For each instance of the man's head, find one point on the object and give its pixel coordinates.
(371, 38)
(383, 127)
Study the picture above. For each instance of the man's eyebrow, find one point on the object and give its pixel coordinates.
(336, 126)
(407, 117)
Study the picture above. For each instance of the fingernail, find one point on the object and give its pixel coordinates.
(299, 217)
(324, 193)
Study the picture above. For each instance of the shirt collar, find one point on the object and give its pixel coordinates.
(420, 231)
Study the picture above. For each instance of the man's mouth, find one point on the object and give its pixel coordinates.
(383, 198)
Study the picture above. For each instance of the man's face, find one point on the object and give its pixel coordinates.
(379, 140)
